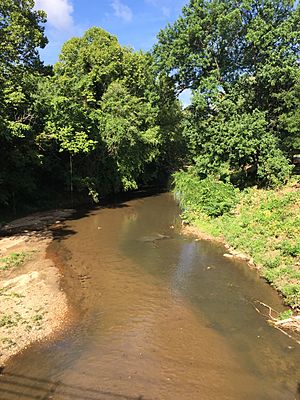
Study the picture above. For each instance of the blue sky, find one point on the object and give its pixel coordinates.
(135, 22)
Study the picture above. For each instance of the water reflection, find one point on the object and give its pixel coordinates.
(185, 265)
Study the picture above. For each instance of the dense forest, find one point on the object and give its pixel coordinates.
(106, 119)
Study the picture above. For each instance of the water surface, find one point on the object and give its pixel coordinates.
(160, 316)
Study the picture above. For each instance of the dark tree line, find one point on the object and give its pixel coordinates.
(100, 121)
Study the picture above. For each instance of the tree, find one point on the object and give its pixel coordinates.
(129, 130)
(21, 33)
(241, 61)
(102, 108)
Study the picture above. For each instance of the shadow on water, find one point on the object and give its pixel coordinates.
(45, 220)
(14, 386)
(118, 201)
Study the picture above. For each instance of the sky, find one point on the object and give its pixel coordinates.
(135, 22)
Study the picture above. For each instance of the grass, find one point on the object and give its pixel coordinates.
(14, 260)
(265, 224)
(7, 343)
(11, 320)
(8, 320)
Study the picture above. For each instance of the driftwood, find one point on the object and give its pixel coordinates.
(286, 334)
(289, 321)
(270, 309)
(292, 323)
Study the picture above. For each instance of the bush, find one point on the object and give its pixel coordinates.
(212, 197)
(274, 168)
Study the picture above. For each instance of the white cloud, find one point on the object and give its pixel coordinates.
(166, 11)
(122, 10)
(59, 13)
(164, 6)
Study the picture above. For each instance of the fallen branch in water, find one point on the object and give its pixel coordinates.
(287, 334)
(289, 321)
(292, 323)
(269, 308)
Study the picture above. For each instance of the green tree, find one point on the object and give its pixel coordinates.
(21, 33)
(103, 107)
(129, 130)
(241, 61)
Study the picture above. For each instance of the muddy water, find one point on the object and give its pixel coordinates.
(161, 316)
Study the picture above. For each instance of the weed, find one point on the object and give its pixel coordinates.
(13, 260)
(285, 314)
(289, 248)
(273, 262)
(5, 293)
(37, 317)
(210, 196)
(7, 321)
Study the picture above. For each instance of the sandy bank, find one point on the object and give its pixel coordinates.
(32, 303)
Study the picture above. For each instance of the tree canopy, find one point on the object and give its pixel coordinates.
(21, 33)
(98, 122)
(102, 104)
(106, 118)
(242, 62)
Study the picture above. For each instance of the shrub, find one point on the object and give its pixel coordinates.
(212, 197)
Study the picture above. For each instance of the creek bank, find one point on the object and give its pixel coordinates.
(33, 305)
(290, 324)
(231, 252)
(260, 223)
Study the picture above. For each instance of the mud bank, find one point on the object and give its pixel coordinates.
(230, 251)
(33, 305)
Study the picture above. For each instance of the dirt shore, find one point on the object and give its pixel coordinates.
(32, 303)
(230, 251)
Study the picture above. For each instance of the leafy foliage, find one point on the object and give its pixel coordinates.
(241, 61)
(20, 35)
(102, 108)
(263, 224)
(99, 122)
(209, 196)
(129, 131)
(13, 260)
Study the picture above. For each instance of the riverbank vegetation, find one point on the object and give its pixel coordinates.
(264, 224)
(241, 63)
(106, 119)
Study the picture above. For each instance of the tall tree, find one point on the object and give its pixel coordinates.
(21, 33)
(242, 62)
(102, 108)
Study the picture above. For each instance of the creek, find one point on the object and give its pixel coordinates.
(158, 316)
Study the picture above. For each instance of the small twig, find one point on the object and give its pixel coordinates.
(274, 321)
(256, 309)
(287, 334)
(270, 310)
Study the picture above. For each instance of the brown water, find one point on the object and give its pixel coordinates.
(157, 319)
